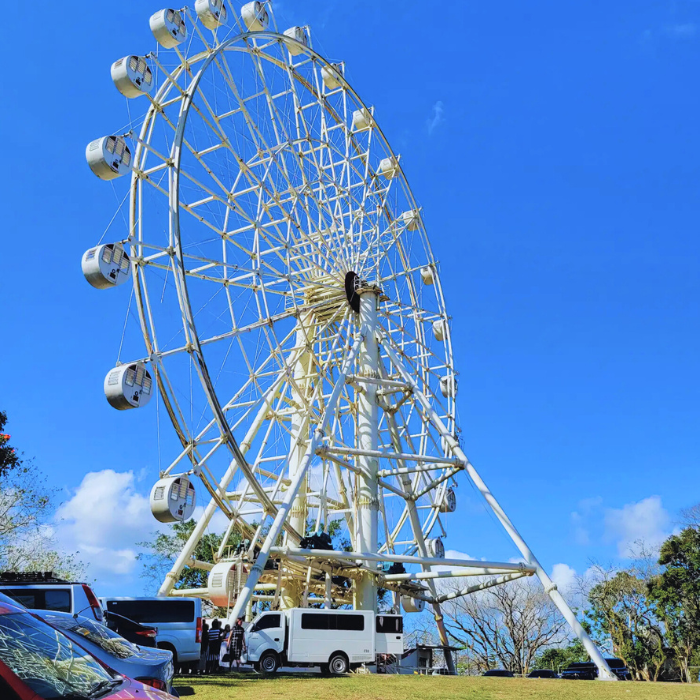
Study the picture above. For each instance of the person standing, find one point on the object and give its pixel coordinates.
(214, 646)
(236, 643)
(204, 650)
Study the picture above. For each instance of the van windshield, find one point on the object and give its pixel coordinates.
(154, 611)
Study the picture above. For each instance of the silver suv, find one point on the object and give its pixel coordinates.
(44, 591)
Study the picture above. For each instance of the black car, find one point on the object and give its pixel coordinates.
(588, 671)
(499, 673)
(134, 632)
(543, 673)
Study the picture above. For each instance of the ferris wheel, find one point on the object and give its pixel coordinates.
(294, 323)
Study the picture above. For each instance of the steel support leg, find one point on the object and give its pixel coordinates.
(604, 672)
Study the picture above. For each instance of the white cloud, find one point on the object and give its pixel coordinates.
(646, 520)
(565, 578)
(103, 520)
(437, 118)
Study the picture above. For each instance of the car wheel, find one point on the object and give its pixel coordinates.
(269, 662)
(338, 664)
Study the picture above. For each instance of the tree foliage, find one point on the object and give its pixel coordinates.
(558, 658)
(676, 594)
(621, 609)
(27, 507)
(506, 626)
(9, 458)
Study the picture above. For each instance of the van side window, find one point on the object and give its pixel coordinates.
(267, 622)
(57, 599)
(154, 611)
(389, 624)
(328, 621)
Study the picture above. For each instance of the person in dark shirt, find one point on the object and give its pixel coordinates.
(204, 649)
(215, 640)
(236, 643)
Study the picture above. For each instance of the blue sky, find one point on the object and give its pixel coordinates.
(554, 149)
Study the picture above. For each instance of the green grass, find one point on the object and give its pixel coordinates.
(357, 687)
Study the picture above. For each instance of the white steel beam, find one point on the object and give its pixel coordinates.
(549, 586)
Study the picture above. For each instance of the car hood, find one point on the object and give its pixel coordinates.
(133, 690)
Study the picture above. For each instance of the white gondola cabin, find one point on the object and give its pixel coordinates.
(299, 39)
(449, 501)
(389, 167)
(448, 386)
(411, 219)
(332, 75)
(106, 266)
(221, 583)
(255, 16)
(435, 547)
(108, 157)
(439, 329)
(361, 119)
(212, 13)
(173, 499)
(427, 275)
(132, 76)
(128, 386)
(412, 605)
(169, 28)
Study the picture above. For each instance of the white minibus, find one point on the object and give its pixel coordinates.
(178, 623)
(335, 640)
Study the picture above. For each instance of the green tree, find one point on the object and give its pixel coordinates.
(676, 595)
(8, 454)
(27, 508)
(557, 658)
(622, 610)
(160, 554)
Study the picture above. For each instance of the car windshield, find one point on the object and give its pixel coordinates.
(48, 662)
(98, 634)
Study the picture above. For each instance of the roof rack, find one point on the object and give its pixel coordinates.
(30, 577)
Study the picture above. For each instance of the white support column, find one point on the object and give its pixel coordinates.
(367, 523)
(604, 672)
(290, 595)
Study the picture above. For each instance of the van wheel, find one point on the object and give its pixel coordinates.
(269, 662)
(338, 664)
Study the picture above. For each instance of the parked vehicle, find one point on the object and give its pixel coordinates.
(499, 673)
(588, 671)
(152, 667)
(337, 640)
(131, 630)
(178, 623)
(44, 591)
(38, 662)
(543, 673)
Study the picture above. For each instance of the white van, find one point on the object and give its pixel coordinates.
(336, 640)
(178, 623)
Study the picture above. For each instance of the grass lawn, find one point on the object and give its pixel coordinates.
(357, 687)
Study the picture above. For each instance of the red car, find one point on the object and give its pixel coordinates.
(38, 662)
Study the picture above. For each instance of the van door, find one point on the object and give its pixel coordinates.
(389, 634)
(267, 632)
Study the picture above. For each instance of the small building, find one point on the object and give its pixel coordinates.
(421, 659)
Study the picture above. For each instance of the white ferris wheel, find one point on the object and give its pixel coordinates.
(294, 323)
